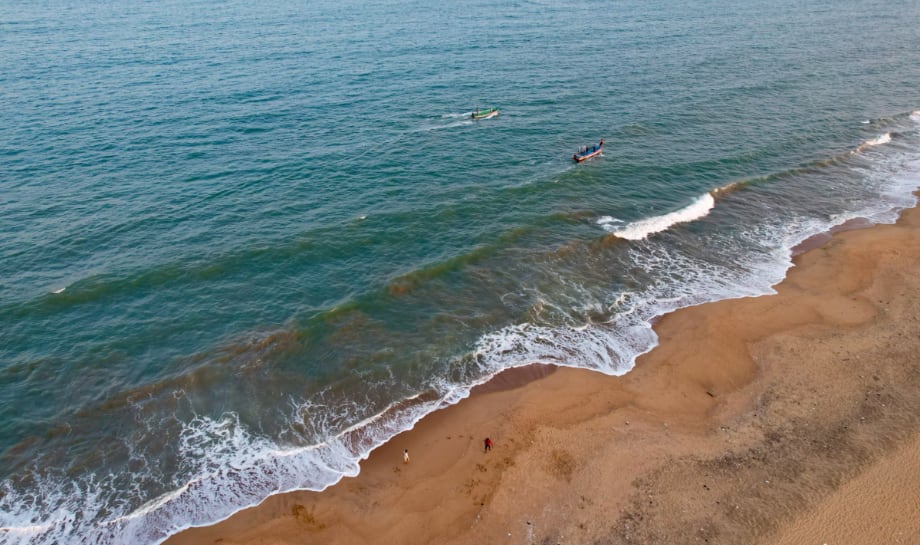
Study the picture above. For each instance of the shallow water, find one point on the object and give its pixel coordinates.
(241, 245)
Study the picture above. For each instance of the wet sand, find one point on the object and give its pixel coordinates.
(783, 419)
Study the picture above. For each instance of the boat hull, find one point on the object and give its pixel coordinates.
(579, 157)
(486, 115)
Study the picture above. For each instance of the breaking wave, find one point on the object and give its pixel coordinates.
(641, 229)
(880, 140)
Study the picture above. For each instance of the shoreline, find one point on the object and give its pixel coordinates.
(749, 416)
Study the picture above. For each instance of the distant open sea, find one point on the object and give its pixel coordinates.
(244, 243)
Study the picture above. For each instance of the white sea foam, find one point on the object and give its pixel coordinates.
(233, 469)
(878, 141)
(455, 122)
(641, 229)
(24, 530)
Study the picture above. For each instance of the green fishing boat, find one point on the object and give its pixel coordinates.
(485, 113)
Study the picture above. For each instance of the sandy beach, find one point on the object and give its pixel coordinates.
(791, 418)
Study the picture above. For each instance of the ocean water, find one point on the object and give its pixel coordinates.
(241, 245)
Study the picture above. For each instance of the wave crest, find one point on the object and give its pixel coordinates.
(641, 229)
(877, 141)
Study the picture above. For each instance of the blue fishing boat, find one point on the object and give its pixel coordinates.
(588, 152)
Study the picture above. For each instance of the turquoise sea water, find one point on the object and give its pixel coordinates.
(242, 245)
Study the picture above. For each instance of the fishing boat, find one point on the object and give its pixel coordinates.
(588, 152)
(484, 113)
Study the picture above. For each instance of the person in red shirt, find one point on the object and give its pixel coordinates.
(488, 444)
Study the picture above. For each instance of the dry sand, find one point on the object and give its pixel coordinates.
(785, 419)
